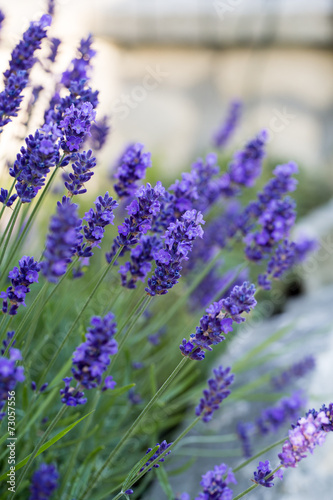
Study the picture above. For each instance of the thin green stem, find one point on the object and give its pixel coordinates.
(85, 305)
(10, 226)
(265, 450)
(38, 446)
(95, 479)
(5, 326)
(135, 315)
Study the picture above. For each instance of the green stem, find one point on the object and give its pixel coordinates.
(38, 446)
(265, 450)
(10, 226)
(5, 326)
(135, 315)
(93, 482)
(85, 305)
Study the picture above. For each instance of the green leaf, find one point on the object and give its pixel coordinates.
(47, 445)
(163, 479)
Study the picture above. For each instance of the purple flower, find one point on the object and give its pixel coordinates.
(327, 426)
(81, 66)
(245, 166)
(10, 374)
(215, 483)
(243, 430)
(285, 411)
(140, 264)
(22, 60)
(217, 391)
(218, 320)
(178, 242)
(2, 18)
(72, 396)
(92, 357)
(8, 201)
(62, 241)
(303, 438)
(263, 470)
(81, 174)
(44, 482)
(76, 125)
(141, 212)
(130, 168)
(21, 278)
(109, 383)
(99, 132)
(50, 7)
(295, 371)
(228, 127)
(55, 42)
(34, 161)
(7, 341)
(162, 448)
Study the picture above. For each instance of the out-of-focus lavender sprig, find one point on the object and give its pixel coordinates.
(82, 173)
(141, 212)
(215, 484)
(21, 278)
(2, 18)
(178, 242)
(243, 430)
(264, 470)
(285, 411)
(62, 240)
(245, 166)
(162, 448)
(140, 261)
(10, 374)
(217, 391)
(99, 133)
(218, 321)
(130, 168)
(55, 43)
(17, 75)
(295, 371)
(34, 161)
(80, 66)
(226, 130)
(44, 482)
(287, 255)
(91, 359)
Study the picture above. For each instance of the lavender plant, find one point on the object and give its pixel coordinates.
(166, 286)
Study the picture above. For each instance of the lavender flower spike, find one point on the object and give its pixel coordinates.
(217, 391)
(296, 370)
(263, 470)
(303, 438)
(21, 278)
(44, 482)
(62, 241)
(162, 447)
(215, 483)
(91, 359)
(10, 374)
(178, 242)
(130, 168)
(223, 135)
(218, 321)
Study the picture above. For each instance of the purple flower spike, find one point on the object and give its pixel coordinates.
(76, 125)
(162, 447)
(295, 371)
(223, 135)
(62, 241)
(263, 470)
(99, 133)
(72, 396)
(8, 201)
(215, 485)
(21, 279)
(44, 482)
(81, 174)
(80, 67)
(303, 438)
(10, 374)
(217, 391)
(130, 168)
(286, 411)
(178, 242)
(218, 320)
(17, 76)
